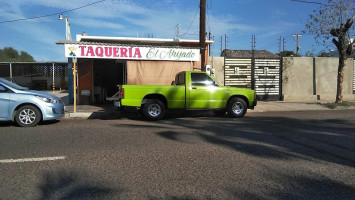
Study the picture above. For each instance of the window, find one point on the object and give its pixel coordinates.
(180, 79)
(201, 79)
(3, 89)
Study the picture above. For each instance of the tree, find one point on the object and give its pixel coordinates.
(309, 54)
(287, 54)
(323, 54)
(9, 54)
(334, 20)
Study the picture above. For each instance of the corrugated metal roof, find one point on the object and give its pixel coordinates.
(110, 43)
(248, 54)
(136, 40)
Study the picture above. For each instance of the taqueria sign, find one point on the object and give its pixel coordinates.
(131, 52)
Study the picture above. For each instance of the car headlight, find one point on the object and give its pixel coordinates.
(47, 100)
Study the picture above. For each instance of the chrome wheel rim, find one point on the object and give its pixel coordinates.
(154, 110)
(238, 108)
(27, 116)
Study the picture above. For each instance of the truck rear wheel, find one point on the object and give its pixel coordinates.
(153, 109)
(236, 107)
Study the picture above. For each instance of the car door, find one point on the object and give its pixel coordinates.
(4, 102)
(204, 93)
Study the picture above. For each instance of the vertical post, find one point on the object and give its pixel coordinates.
(297, 43)
(11, 70)
(209, 46)
(53, 84)
(70, 80)
(221, 44)
(225, 41)
(253, 62)
(74, 83)
(203, 33)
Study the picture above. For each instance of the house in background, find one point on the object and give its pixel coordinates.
(256, 69)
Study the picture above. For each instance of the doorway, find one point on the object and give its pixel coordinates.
(107, 75)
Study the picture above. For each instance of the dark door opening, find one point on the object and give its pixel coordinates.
(107, 75)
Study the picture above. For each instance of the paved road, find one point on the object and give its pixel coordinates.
(266, 155)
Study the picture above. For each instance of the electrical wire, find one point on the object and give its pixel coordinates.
(186, 33)
(310, 2)
(48, 15)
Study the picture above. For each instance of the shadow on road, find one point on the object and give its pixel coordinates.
(74, 185)
(269, 137)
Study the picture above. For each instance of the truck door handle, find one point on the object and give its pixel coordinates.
(194, 88)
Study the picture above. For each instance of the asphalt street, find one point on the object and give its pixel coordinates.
(265, 155)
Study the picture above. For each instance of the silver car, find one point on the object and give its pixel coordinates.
(27, 107)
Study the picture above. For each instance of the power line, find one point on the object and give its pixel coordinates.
(42, 16)
(186, 33)
(311, 2)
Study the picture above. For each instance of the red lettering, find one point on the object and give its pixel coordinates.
(130, 52)
(90, 51)
(99, 51)
(137, 53)
(82, 48)
(115, 52)
(123, 52)
(108, 51)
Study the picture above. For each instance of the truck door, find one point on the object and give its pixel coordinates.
(203, 93)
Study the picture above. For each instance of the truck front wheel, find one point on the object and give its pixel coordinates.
(236, 107)
(153, 109)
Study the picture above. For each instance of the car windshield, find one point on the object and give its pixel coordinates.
(13, 85)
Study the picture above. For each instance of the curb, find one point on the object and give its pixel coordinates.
(78, 115)
(269, 108)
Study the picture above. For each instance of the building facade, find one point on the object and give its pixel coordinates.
(105, 62)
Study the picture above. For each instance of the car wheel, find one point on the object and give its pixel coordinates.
(153, 109)
(236, 107)
(28, 116)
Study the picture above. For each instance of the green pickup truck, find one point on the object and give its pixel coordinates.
(191, 90)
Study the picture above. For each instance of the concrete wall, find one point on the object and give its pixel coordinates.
(217, 64)
(315, 79)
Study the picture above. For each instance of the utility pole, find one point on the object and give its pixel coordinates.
(225, 41)
(203, 33)
(297, 42)
(209, 46)
(279, 41)
(253, 41)
(221, 44)
(283, 44)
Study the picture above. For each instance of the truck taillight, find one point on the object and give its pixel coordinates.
(122, 93)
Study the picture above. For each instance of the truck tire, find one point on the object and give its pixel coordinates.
(154, 109)
(236, 107)
(28, 116)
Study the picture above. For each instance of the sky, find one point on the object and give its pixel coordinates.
(268, 20)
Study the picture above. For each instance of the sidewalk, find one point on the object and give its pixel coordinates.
(98, 111)
(105, 110)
